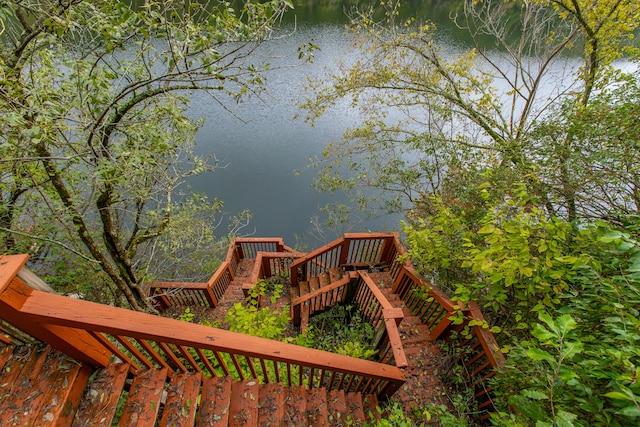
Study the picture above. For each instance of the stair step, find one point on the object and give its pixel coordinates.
(410, 320)
(317, 414)
(243, 410)
(100, 401)
(337, 408)
(19, 381)
(182, 398)
(296, 406)
(5, 354)
(370, 406)
(215, 402)
(355, 407)
(305, 309)
(314, 283)
(324, 279)
(335, 274)
(414, 333)
(271, 406)
(48, 389)
(145, 395)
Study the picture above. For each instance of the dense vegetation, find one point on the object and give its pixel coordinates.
(95, 143)
(522, 199)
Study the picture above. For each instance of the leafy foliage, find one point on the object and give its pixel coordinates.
(341, 329)
(263, 322)
(95, 141)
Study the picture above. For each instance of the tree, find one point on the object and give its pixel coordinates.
(94, 132)
(436, 119)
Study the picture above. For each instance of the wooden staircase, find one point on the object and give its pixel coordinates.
(129, 368)
(40, 386)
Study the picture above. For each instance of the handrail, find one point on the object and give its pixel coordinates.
(352, 248)
(443, 316)
(376, 309)
(94, 333)
(248, 247)
(167, 294)
(383, 316)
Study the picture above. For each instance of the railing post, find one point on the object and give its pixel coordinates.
(239, 250)
(14, 294)
(386, 255)
(344, 251)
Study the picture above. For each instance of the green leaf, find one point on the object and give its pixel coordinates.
(565, 419)
(542, 334)
(546, 318)
(534, 394)
(539, 354)
(618, 395)
(528, 408)
(566, 324)
(630, 411)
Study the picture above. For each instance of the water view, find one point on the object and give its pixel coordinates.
(263, 151)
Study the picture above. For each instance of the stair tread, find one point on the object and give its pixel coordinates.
(271, 406)
(243, 409)
(324, 279)
(370, 404)
(62, 382)
(296, 406)
(19, 379)
(314, 283)
(5, 354)
(317, 414)
(355, 406)
(99, 404)
(337, 408)
(335, 274)
(143, 402)
(182, 397)
(214, 402)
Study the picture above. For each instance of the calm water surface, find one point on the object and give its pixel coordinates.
(265, 150)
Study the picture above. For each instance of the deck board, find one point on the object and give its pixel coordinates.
(214, 403)
(100, 401)
(143, 402)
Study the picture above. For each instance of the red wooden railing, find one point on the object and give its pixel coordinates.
(376, 309)
(446, 319)
(95, 334)
(383, 317)
(268, 264)
(353, 249)
(208, 294)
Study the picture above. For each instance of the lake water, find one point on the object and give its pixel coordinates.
(265, 150)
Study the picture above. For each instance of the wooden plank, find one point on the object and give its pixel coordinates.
(62, 382)
(355, 407)
(214, 402)
(337, 408)
(5, 354)
(19, 384)
(244, 403)
(100, 401)
(370, 406)
(296, 406)
(143, 402)
(271, 405)
(182, 396)
(317, 414)
(10, 265)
